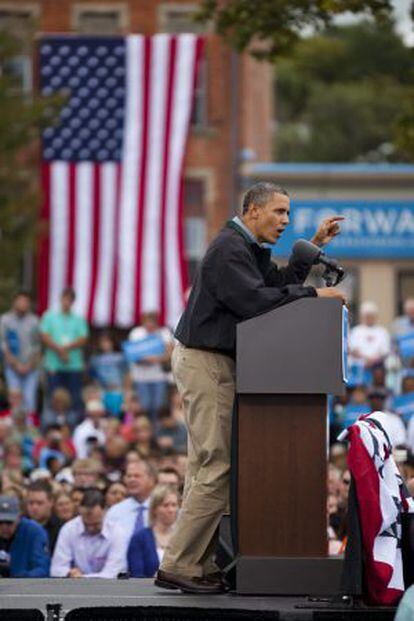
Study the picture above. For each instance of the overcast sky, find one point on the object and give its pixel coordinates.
(405, 25)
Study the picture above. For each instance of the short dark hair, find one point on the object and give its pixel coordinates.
(22, 293)
(260, 194)
(68, 292)
(41, 485)
(93, 498)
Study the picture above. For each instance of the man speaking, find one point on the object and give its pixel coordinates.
(236, 280)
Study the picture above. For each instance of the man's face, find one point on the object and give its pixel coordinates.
(7, 529)
(138, 482)
(84, 478)
(409, 309)
(39, 506)
(270, 220)
(21, 304)
(66, 302)
(369, 319)
(92, 519)
(169, 478)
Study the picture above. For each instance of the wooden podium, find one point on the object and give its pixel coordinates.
(288, 361)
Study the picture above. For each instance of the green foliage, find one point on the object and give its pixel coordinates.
(340, 97)
(21, 118)
(271, 27)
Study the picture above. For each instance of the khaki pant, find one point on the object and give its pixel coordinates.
(205, 381)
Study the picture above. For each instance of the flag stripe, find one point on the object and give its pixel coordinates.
(58, 230)
(96, 237)
(103, 295)
(44, 247)
(71, 224)
(128, 217)
(83, 232)
(151, 239)
(116, 261)
(167, 137)
(184, 76)
(142, 178)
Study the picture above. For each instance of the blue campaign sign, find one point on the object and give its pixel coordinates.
(405, 345)
(134, 351)
(403, 405)
(371, 229)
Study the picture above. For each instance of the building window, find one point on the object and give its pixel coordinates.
(195, 227)
(199, 112)
(20, 22)
(176, 18)
(105, 20)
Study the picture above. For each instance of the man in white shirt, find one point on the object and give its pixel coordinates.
(132, 513)
(148, 376)
(369, 343)
(90, 433)
(87, 547)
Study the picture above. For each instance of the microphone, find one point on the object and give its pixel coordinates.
(306, 251)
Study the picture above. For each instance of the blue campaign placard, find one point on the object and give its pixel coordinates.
(151, 345)
(405, 345)
(352, 412)
(345, 325)
(371, 229)
(403, 405)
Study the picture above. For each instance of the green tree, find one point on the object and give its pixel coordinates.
(270, 27)
(21, 118)
(340, 96)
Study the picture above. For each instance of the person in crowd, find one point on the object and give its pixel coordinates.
(24, 547)
(115, 493)
(146, 548)
(76, 496)
(63, 507)
(59, 410)
(394, 425)
(90, 432)
(39, 507)
(403, 325)
(107, 367)
(114, 457)
(20, 345)
(171, 432)
(132, 513)
(86, 473)
(139, 434)
(148, 375)
(132, 408)
(54, 444)
(13, 457)
(369, 342)
(64, 335)
(169, 476)
(87, 547)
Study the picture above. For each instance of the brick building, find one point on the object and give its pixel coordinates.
(233, 110)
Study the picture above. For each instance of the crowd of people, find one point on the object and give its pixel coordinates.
(92, 446)
(93, 441)
(380, 378)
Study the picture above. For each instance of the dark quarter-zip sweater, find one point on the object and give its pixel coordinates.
(236, 280)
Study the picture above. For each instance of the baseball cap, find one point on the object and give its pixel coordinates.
(9, 508)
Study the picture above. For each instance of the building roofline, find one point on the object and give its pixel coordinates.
(269, 168)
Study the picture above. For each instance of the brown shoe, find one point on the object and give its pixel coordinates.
(218, 578)
(197, 586)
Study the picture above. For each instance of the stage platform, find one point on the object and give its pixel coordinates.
(130, 600)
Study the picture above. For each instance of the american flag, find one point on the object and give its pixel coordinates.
(112, 174)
